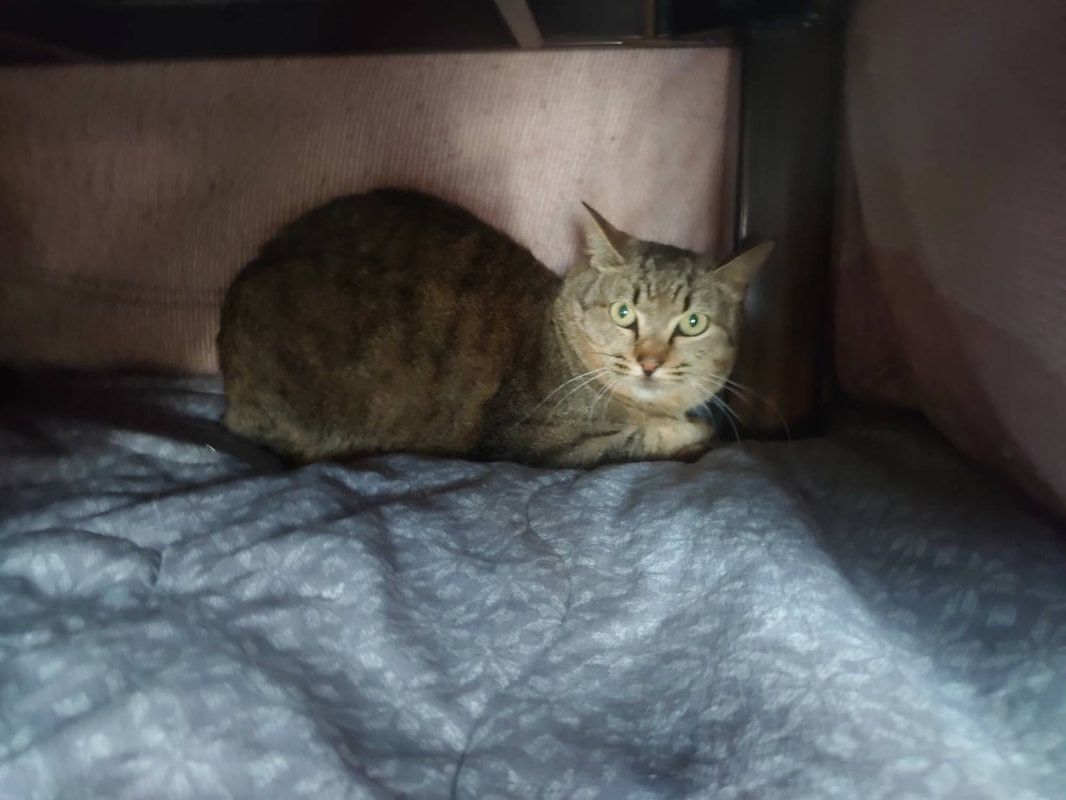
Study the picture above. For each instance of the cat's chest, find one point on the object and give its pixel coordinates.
(667, 407)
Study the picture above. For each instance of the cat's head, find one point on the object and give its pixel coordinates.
(659, 324)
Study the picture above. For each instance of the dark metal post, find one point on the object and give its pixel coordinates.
(790, 85)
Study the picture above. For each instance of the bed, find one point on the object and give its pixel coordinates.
(865, 614)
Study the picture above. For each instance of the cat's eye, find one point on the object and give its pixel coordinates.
(623, 314)
(693, 324)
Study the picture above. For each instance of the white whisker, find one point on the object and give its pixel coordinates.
(603, 394)
(574, 391)
(738, 388)
(729, 415)
(717, 401)
(561, 386)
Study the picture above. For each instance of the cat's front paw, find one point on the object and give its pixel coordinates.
(704, 437)
(679, 439)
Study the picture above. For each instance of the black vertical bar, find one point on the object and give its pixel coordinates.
(664, 18)
(790, 84)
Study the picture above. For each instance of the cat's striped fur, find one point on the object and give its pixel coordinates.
(393, 321)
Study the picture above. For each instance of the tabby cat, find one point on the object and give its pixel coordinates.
(394, 321)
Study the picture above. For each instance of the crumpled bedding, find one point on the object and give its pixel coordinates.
(864, 615)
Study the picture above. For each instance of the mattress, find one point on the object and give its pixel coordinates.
(865, 614)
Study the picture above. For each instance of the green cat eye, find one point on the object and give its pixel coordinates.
(694, 324)
(623, 314)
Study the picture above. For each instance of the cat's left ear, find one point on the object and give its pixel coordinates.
(742, 269)
(604, 243)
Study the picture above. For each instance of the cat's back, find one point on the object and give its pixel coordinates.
(388, 239)
(387, 224)
(391, 310)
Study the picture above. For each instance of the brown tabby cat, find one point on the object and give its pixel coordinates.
(393, 321)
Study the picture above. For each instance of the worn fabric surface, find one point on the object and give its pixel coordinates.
(131, 194)
(952, 280)
(863, 615)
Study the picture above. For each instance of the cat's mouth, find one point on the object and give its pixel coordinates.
(648, 387)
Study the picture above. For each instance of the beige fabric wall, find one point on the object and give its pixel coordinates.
(951, 285)
(131, 194)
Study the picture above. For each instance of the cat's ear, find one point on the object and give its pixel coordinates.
(604, 243)
(742, 269)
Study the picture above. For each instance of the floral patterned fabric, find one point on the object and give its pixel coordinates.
(863, 615)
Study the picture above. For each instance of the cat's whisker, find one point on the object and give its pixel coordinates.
(739, 387)
(709, 389)
(723, 387)
(603, 394)
(607, 405)
(730, 415)
(740, 390)
(565, 383)
(575, 390)
(707, 384)
(712, 397)
(560, 387)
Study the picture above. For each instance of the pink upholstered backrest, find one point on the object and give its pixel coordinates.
(131, 194)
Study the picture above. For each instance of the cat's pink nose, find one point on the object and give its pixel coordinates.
(649, 364)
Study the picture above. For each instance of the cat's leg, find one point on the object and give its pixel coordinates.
(679, 439)
(264, 422)
(655, 439)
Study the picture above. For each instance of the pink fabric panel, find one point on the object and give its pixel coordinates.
(952, 271)
(131, 194)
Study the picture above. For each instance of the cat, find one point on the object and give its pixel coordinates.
(393, 321)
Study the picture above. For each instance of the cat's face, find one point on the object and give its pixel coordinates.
(657, 324)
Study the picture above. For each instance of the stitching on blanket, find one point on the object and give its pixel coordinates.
(486, 712)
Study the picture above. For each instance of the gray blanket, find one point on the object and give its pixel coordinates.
(864, 615)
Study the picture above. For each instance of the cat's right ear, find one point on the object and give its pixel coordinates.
(741, 269)
(604, 243)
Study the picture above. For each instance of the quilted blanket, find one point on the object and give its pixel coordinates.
(862, 615)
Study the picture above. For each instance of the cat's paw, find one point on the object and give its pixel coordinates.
(679, 439)
(704, 437)
(692, 453)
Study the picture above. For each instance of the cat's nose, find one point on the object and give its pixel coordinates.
(649, 364)
(651, 354)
